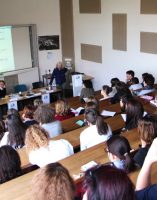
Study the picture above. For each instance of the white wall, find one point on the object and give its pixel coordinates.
(97, 29)
(45, 14)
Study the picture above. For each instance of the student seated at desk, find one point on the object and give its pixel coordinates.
(44, 115)
(147, 129)
(37, 102)
(134, 84)
(87, 91)
(53, 182)
(106, 92)
(129, 75)
(16, 132)
(119, 153)
(97, 132)
(28, 114)
(10, 164)
(144, 189)
(134, 111)
(63, 110)
(105, 182)
(122, 90)
(2, 89)
(148, 85)
(41, 150)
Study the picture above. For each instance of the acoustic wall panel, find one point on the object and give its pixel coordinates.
(11, 81)
(148, 42)
(90, 6)
(119, 31)
(91, 53)
(148, 6)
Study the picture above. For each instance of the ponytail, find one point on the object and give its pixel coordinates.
(129, 163)
(101, 125)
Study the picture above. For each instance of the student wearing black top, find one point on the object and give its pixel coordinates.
(2, 89)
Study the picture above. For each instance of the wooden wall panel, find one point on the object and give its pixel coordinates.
(91, 53)
(148, 42)
(119, 31)
(90, 6)
(148, 6)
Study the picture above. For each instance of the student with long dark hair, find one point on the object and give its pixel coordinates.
(119, 149)
(122, 89)
(10, 166)
(105, 182)
(87, 90)
(16, 132)
(97, 132)
(134, 111)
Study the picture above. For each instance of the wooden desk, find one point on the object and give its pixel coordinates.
(73, 137)
(20, 188)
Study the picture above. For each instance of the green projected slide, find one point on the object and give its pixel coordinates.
(6, 50)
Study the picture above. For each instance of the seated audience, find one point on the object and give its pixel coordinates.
(41, 150)
(134, 84)
(143, 75)
(97, 132)
(87, 91)
(53, 182)
(2, 129)
(105, 182)
(134, 112)
(10, 166)
(114, 82)
(147, 129)
(144, 188)
(2, 89)
(148, 85)
(28, 115)
(63, 110)
(122, 90)
(106, 92)
(37, 102)
(129, 75)
(119, 153)
(16, 132)
(44, 115)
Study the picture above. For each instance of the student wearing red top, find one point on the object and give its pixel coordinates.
(63, 110)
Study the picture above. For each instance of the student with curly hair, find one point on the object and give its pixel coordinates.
(41, 150)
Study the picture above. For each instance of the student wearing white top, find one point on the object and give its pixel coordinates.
(97, 132)
(16, 132)
(44, 115)
(41, 150)
(135, 85)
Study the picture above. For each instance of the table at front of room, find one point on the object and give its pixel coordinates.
(25, 99)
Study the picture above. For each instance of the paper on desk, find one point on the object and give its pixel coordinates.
(103, 98)
(153, 102)
(124, 117)
(77, 111)
(108, 113)
(37, 94)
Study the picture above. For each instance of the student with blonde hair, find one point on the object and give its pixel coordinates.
(53, 182)
(63, 110)
(41, 150)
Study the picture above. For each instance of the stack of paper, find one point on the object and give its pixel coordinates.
(108, 113)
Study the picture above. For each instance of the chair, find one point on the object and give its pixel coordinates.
(20, 88)
(38, 84)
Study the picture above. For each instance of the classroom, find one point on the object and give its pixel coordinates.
(102, 39)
